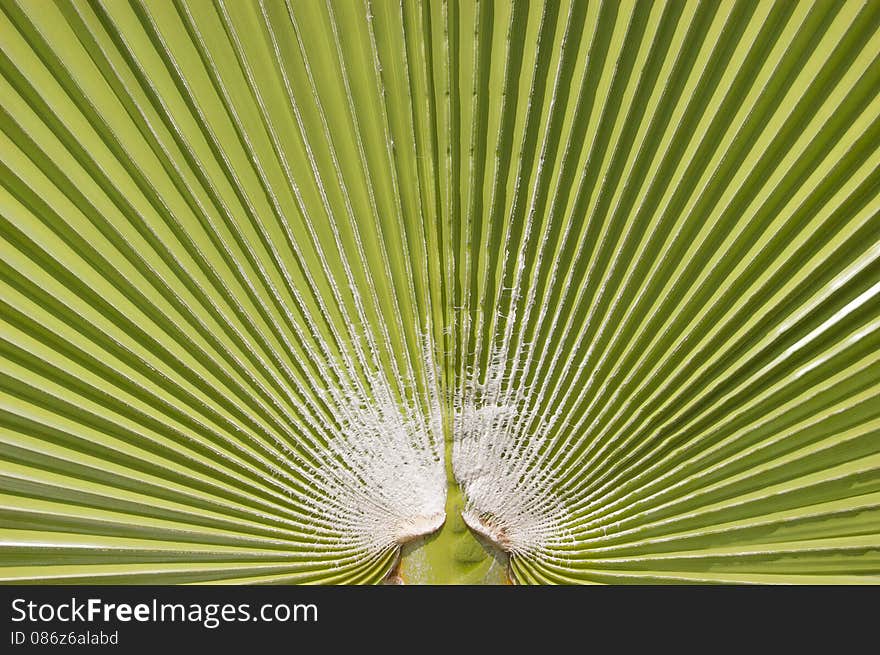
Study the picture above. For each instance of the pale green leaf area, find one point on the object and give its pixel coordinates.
(439, 291)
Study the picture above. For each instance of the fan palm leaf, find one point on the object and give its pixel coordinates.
(554, 292)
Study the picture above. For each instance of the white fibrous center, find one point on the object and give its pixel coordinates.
(497, 460)
(382, 479)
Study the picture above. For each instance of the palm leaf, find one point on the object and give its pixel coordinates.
(289, 285)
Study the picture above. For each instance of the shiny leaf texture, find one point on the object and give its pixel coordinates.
(287, 285)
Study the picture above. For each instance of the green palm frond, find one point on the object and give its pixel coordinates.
(289, 285)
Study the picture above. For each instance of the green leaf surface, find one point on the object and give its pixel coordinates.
(286, 285)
